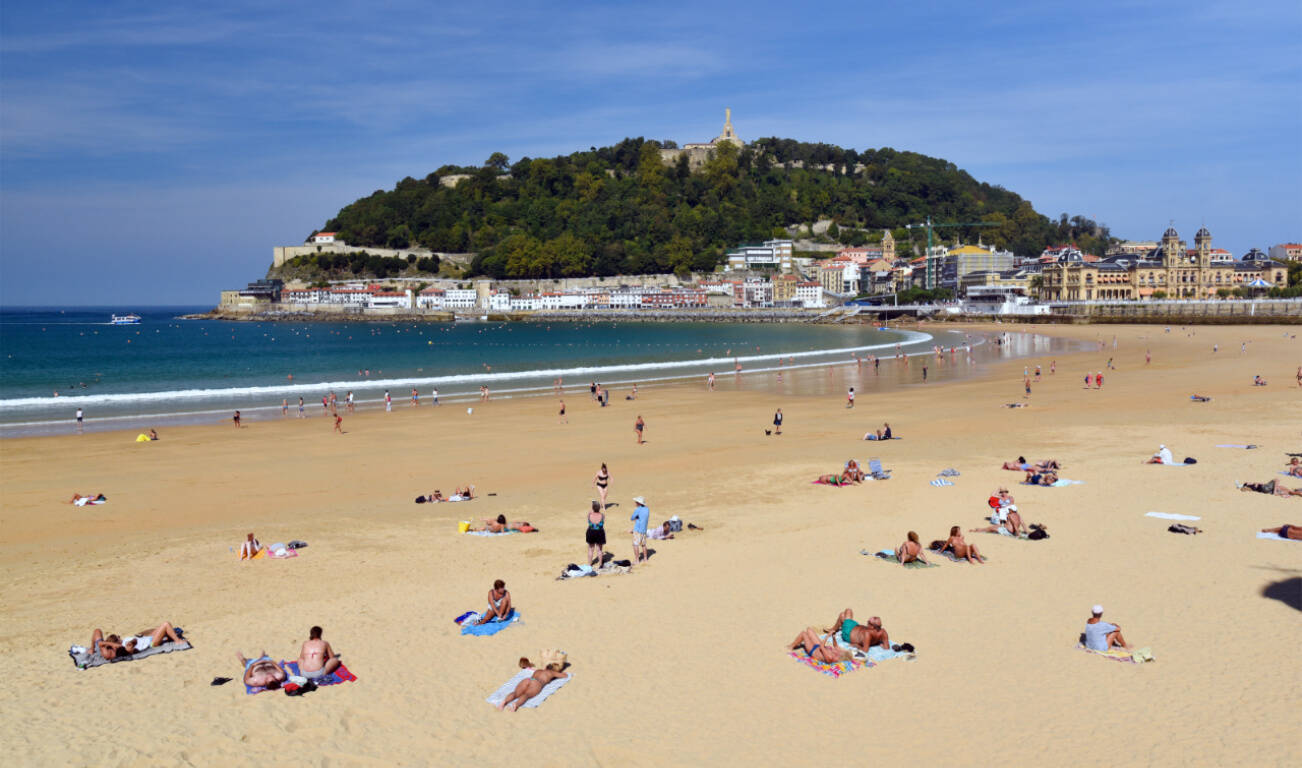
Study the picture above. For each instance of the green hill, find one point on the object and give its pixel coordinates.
(620, 210)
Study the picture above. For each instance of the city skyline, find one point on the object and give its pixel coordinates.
(156, 156)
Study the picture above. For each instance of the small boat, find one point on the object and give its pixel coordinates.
(130, 319)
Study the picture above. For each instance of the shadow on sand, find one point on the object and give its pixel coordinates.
(1287, 591)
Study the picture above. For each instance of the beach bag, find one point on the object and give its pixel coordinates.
(675, 525)
(420, 499)
(1190, 460)
(1038, 534)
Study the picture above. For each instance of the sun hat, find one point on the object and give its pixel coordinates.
(639, 499)
(1098, 610)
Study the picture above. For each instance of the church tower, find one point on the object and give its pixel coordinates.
(888, 246)
(728, 133)
(1203, 246)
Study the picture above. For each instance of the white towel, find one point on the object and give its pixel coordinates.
(1275, 536)
(500, 694)
(941, 482)
(1171, 516)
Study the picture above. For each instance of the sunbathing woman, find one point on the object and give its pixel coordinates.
(463, 494)
(813, 646)
(853, 471)
(910, 550)
(532, 686)
(961, 549)
(493, 526)
(82, 501)
(1294, 467)
(834, 479)
(1036, 477)
(861, 636)
(1286, 532)
(1271, 487)
(1004, 520)
(262, 672)
(112, 647)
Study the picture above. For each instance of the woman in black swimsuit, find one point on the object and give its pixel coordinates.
(596, 535)
(601, 481)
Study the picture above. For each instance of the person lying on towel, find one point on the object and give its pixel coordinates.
(113, 647)
(262, 672)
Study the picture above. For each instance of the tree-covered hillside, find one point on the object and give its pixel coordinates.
(621, 210)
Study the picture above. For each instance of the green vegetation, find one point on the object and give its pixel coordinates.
(621, 210)
(320, 267)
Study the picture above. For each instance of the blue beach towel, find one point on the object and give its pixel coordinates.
(941, 482)
(469, 627)
(489, 533)
(1064, 481)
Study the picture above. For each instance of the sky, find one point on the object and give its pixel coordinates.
(154, 153)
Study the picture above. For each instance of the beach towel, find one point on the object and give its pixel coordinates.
(955, 558)
(489, 533)
(340, 675)
(833, 670)
(86, 502)
(1275, 536)
(255, 689)
(1171, 516)
(1235, 445)
(508, 688)
(888, 555)
(279, 552)
(1004, 532)
(1121, 654)
(941, 482)
(1064, 481)
(469, 627)
(85, 659)
(951, 472)
(586, 570)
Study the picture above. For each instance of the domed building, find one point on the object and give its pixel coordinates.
(1169, 271)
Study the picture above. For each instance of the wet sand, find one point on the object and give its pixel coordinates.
(682, 661)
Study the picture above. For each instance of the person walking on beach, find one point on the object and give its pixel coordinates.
(638, 426)
(563, 419)
(600, 482)
(80, 416)
(1088, 377)
(596, 534)
(434, 395)
(924, 374)
(284, 407)
(348, 402)
(300, 406)
(339, 423)
(777, 422)
(1098, 380)
(388, 401)
(849, 398)
(1148, 356)
(236, 419)
(592, 390)
(641, 516)
(415, 398)
(709, 381)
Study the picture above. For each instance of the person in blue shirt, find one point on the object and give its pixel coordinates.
(1102, 636)
(641, 516)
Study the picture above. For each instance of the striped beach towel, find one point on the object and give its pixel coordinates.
(941, 482)
(508, 688)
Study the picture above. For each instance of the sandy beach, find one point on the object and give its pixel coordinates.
(683, 661)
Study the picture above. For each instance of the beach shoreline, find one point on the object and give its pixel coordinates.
(693, 641)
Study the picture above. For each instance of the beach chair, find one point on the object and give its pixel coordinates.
(876, 471)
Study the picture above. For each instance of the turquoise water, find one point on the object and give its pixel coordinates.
(167, 370)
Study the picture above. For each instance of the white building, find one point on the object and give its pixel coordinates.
(430, 298)
(810, 295)
(499, 301)
(325, 237)
(351, 296)
(460, 298)
(526, 303)
(390, 300)
(625, 300)
(771, 254)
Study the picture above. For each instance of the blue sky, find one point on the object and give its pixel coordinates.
(153, 153)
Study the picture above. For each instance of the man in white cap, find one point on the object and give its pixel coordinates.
(641, 516)
(1163, 456)
(1100, 635)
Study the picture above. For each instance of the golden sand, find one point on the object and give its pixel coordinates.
(681, 662)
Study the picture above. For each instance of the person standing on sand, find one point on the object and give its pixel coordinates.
(1148, 356)
(284, 407)
(709, 381)
(638, 426)
(601, 481)
(236, 419)
(300, 406)
(777, 422)
(1098, 380)
(434, 395)
(80, 415)
(849, 398)
(388, 401)
(415, 398)
(641, 516)
(924, 374)
(349, 402)
(339, 423)
(563, 419)
(595, 535)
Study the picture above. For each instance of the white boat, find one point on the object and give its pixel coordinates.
(129, 319)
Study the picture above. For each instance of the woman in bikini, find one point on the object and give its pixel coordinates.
(601, 480)
(596, 534)
(1294, 467)
(533, 685)
(910, 550)
(813, 646)
(960, 548)
(499, 603)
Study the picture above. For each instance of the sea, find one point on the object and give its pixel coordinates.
(168, 371)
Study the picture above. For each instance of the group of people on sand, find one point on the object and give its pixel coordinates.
(460, 494)
(954, 544)
(858, 636)
(115, 647)
(501, 525)
(1022, 465)
(316, 660)
(852, 474)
